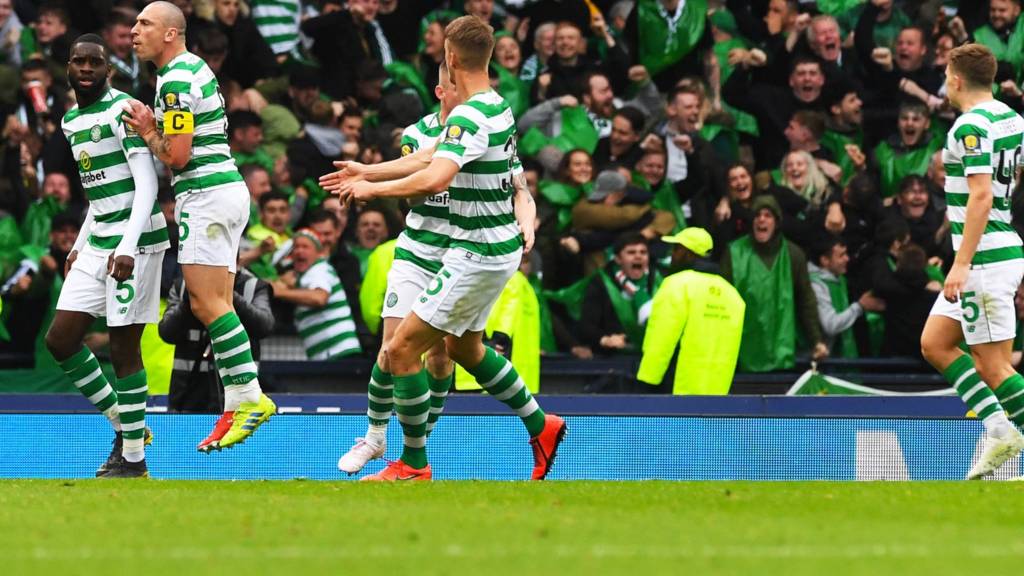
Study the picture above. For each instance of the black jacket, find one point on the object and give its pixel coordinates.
(772, 106)
(195, 384)
(599, 319)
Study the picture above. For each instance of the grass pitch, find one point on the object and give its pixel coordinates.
(488, 528)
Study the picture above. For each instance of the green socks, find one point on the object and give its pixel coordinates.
(1011, 396)
(380, 396)
(231, 350)
(496, 375)
(84, 370)
(412, 404)
(438, 394)
(131, 395)
(969, 387)
(235, 364)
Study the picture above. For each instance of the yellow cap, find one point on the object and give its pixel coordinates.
(697, 240)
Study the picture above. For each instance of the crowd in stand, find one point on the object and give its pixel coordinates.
(804, 136)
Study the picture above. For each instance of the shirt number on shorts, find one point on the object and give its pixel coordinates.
(971, 309)
(435, 286)
(129, 291)
(183, 227)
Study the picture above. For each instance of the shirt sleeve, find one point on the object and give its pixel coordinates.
(176, 94)
(409, 143)
(974, 146)
(317, 278)
(131, 142)
(463, 139)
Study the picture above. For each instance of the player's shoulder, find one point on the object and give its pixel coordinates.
(69, 117)
(982, 117)
(970, 123)
(426, 126)
(484, 109)
(183, 65)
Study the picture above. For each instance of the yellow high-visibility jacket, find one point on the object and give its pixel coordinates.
(517, 314)
(375, 283)
(702, 314)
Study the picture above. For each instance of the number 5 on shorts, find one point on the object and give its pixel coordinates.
(437, 283)
(971, 309)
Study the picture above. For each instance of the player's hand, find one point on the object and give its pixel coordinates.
(120, 267)
(139, 117)
(359, 192)
(72, 256)
(528, 237)
(955, 281)
(346, 171)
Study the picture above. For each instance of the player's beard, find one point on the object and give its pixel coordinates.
(90, 94)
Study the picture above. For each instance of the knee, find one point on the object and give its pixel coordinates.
(934, 351)
(58, 344)
(201, 309)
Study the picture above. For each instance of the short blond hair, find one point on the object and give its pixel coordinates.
(472, 39)
(975, 63)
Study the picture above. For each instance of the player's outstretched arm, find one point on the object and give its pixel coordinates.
(979, 204)
(432, 180)
(526, 211)
(144, 175)
(390, 170)
(174, 150)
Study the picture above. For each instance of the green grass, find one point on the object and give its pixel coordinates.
(488, 528)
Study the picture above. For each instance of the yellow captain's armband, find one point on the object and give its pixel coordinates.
(178, 122)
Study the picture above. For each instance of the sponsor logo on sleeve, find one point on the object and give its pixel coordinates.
(972, 145)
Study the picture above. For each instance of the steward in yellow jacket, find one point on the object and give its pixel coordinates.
(699, 312)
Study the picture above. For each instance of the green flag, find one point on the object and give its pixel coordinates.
(814, 383)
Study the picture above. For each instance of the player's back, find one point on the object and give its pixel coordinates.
(189, 101)
(987, 139)
(480, 136)
(101, 143)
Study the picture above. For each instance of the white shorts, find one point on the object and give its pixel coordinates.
(210, 226)
(405, 283)
(985, 308)
(88, 288)
(460, 297)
